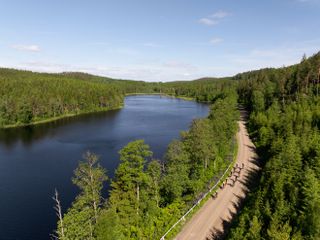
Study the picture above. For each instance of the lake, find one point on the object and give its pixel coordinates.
(36, 160)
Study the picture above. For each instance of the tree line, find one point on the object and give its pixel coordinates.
(148, 195)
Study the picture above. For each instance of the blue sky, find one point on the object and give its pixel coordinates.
(161, 40)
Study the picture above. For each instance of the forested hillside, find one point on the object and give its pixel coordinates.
(27, 97)
(126, 86)
(148, 195)
(284, 124)
(204, 90)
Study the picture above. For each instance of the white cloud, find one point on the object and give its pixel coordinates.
(214, 18)
(29, 48)
(208, 21)
(216, 40)
(220, 14)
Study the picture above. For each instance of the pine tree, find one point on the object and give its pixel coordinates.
(89, 177)
(79, 221)
(129, 186)
(154, 174)
(311, 192)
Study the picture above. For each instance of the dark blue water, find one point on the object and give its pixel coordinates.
(36, 160)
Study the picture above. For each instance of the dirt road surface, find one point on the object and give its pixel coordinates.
(209, 220)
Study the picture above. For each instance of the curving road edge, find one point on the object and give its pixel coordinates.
(209, 220)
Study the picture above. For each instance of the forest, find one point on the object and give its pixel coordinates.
(148, 195)
(28, 97)
(201, 90)
(284, 124)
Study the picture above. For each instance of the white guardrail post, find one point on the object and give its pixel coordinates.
(199, 201)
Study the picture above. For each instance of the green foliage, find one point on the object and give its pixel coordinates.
(89, 178)
(129, 189)
(27, 97)
(80, 220)
(108, 226)
(284, 123)
(176, 180)
(311, 204)
(154, 174)
(148, 196)
(146, 199)
(202, 90)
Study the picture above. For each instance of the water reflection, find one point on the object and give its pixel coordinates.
(31, 134)
(35, 160)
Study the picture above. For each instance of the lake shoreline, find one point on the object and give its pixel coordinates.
(52, 119)
(168, 95)
(58, 118)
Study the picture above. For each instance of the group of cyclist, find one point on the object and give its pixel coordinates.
(232, 178)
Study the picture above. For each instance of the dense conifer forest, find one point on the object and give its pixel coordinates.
(27, 97)
(284, 124)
